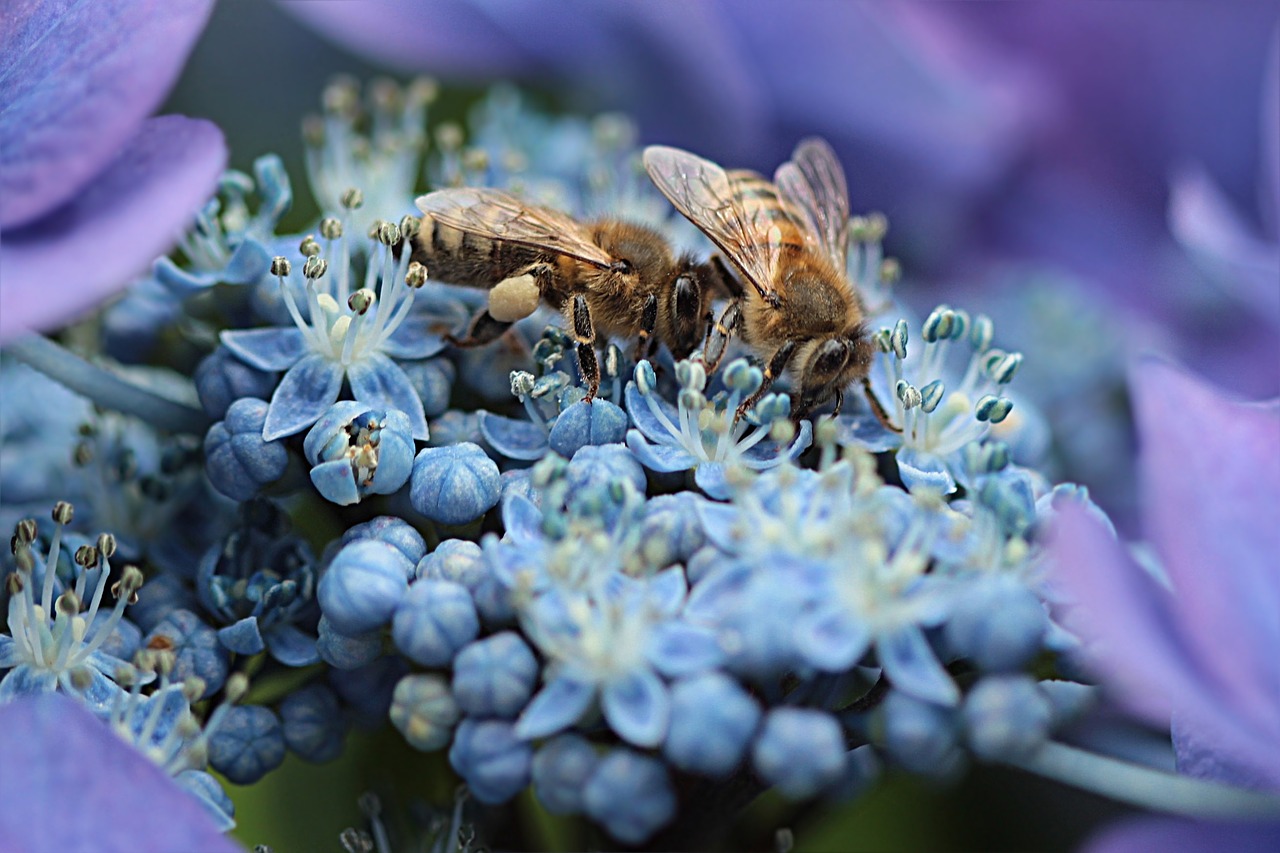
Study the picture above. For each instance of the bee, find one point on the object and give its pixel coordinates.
(607, 277)
(788, 240)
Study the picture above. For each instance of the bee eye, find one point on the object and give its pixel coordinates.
(828, 360)
(623, 267)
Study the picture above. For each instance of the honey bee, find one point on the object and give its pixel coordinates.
(788, 240)
(608, 277)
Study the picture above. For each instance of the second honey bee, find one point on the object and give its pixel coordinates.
(608, 277)
(787, 240)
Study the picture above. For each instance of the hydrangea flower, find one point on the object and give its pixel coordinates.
(702, 434)
(83, 173)
(344, 334)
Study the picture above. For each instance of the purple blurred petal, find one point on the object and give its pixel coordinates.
(1145, 834)
(113, 228)
(1212, 490)
(69, 781)
(1270, 201)
(78, 77)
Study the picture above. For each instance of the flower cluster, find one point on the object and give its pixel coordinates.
(671, 595)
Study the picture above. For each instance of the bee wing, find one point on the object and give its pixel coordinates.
(813, 181)
(704, 193)
(501, 216)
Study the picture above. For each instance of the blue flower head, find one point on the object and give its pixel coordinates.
(701, 434)
(356, 452)
(342, 333)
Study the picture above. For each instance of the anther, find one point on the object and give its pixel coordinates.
(475, 160)
(877, 227)
(280, 266)
(129, 584)
(315, 268)
(106, 545)
(1003, 370)
(63, 512)
(993, 409)
(982, 333)
(410, 225)
(309, 247)
(352, 199)
(341, 96)
(361, 300)
(449, 136)
(423, 90)
(521, 383)
(388, 233)
(385, 94)
(908, 394)
(86, 557)
(24, 532)
(68, 604)
(884, 340)
(890, 271)
(898, 339)
(331, 228)
(932, 394)
(416, 276)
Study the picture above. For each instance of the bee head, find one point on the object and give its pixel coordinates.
(689, 303)
(832, 365)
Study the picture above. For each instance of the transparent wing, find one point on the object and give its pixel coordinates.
(813, 181)
(501, 216)
(706, 194)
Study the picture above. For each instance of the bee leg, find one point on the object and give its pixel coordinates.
(586, 337)
(718, 336)
(648, 323)
(877, 408)
(481, 330)
(772, 371)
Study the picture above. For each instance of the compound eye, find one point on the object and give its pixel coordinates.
(828, 361)
(622, 267)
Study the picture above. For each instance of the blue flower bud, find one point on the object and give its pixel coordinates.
(583, 424)
(434, 621)
(454, 485)
(630, 795)
(800, 751)
(998, 624)
(919, 735)
(221, 379)
(495, 677)
(712, 721)
(424, 711)
(367, 690)
(346, 652)
(433, 380)
(239, 463)
(196, 648)
(356, 451)
(495, 764)
(1005, 716)
(313, 724)
(362, 586)
(395, 532)
(456, 560)
(248, 744)
(561, 768)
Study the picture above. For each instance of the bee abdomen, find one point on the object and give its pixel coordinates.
(460, 257)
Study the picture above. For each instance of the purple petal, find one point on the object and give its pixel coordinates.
(1143, 834)
(113, 228)
(53, 748)
(1211, 484)
(79, 78)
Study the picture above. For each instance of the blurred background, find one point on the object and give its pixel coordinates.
(1101, 178)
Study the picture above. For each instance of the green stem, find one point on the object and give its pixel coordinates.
(1145, 787)
(107, 389)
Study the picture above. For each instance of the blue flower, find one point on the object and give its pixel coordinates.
(363, 585)
(493, 760)
(237, 459)
(453, 485)
(248, 744)
(702, 434)
(630, 794)
(55, 644)
(434, 621)
(800, 751)
(424, 711)
(355, 452)
(341, 333)
(94, 176)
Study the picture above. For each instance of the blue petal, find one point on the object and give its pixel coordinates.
(709, 477)
(912, 667)
(243, 637)
(867, 432)
(678, 649)
(414, 339)
(336, 482)
(832, 639)
(100, 694)
(25, 680)
(920, 470)
(644, 418)
(271, 349)
(522, 519)
(665, 458)
(291, 646)
(666, 590)
(514, 439)
(718, 520)
(595, 423)
(638, 707)
(307, 389)
(556, 707)
(379, 381)
(10, 655)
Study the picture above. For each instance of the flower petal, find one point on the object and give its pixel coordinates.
(90, 247)
(1139, 835)
(638, 707)
(559, 704)
(664, 458)
(913, 668)
(379, 381)
(271, 349)
(61, 748)
(79, 79)
(303, 395)
(514, 439)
